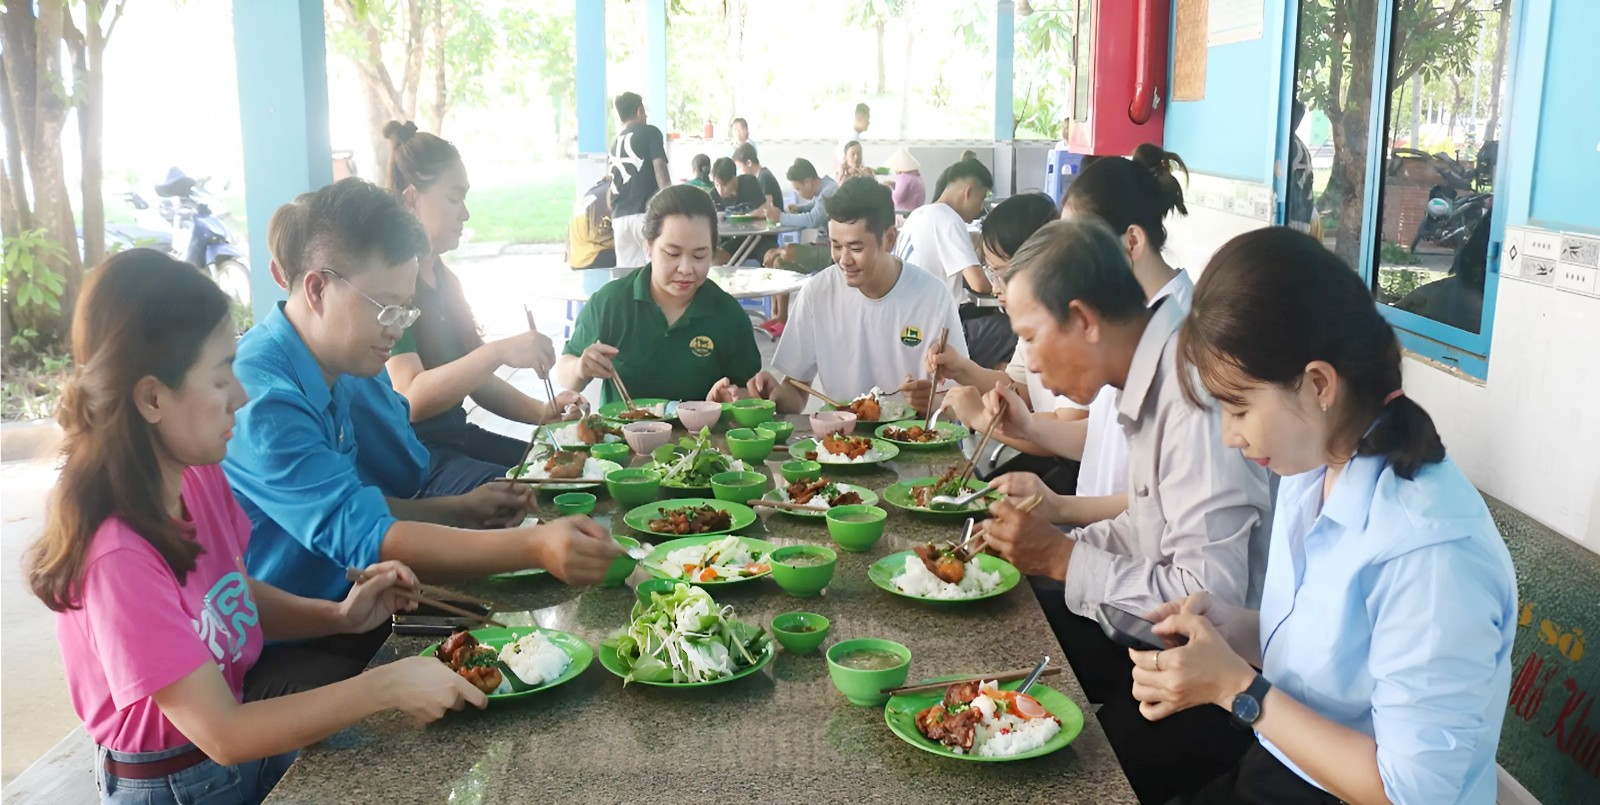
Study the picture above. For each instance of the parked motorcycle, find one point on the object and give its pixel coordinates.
(201, 236)
(1462, 200)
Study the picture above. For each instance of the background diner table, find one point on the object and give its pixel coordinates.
(783, 734)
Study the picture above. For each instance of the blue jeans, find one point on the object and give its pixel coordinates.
(204, 783)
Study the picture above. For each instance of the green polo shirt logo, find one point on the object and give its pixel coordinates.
(701, 345)
(911, 336)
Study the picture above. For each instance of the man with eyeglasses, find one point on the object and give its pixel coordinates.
(936, 236)
(321, 500)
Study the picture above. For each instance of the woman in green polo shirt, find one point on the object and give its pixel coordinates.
(663, 329)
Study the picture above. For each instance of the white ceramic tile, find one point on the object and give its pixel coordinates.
(1542, 243)
(1576, 278)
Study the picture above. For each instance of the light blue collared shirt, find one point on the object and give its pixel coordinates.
(1391, 610)
(315, 506)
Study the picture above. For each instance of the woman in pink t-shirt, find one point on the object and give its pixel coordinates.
(141, 561)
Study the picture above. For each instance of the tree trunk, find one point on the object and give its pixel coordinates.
(15, 213)
(439, 99)
(1497, 76)
(379, 112)
(42, 148)
(416, 47)
(880, 27)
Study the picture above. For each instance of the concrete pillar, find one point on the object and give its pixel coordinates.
(1005, 38)
(280, 50)
(593, 103)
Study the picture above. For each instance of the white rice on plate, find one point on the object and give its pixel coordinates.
(917, 580)
(1004, 735)
(567, 436)
(592, 468)
(825, 457)
(534, 659)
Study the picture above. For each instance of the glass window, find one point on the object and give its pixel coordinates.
(1333, 114)
(1441, 136)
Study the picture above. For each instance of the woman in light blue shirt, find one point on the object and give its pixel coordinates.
(1386, 622)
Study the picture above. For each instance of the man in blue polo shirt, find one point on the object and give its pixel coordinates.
(294, 461)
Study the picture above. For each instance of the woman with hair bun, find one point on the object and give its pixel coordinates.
(442, 359)
(1389, 605)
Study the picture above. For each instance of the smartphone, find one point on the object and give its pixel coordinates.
(430, 621)
(1131, 631)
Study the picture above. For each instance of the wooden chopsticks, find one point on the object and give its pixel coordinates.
(813, 392)
(785, 505)
(357, 576)
(1008, 676)
(972, 463)
(933, 390)
(543, 481)
(627, 399)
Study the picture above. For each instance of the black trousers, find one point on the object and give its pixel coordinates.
(1259, 779)
(1162, 759)
(990, 340)
(286, 668)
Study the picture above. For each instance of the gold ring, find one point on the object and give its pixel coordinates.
(1158, 661)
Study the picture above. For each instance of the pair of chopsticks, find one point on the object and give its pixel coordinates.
(1001, 677)
(933, 391)
(425, 593)
(979, 540)
(550, 394)
(819, 395)
(785, 505)
(972, 463)
(543, 481)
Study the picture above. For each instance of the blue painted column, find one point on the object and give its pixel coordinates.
(1005, 47)
(656, 102)
(594, 106)
(280, 49)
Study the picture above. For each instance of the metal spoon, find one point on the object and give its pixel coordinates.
(953, 503)
(1034, 677)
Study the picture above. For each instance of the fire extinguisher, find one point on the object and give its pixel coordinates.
(710, 130)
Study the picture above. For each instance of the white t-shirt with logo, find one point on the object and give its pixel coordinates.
(935, 237)
(1104, 469)
(849, 343)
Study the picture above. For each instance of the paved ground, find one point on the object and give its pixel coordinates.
(34, 710)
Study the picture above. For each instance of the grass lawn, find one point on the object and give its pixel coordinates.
(536, 211)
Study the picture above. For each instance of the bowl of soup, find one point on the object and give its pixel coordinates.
(856, 528)
(644, 437)
(800, 632)
(803, 571)
(750, 444)
(824, 423)
(738, 487)
(864, 667)
(633, 487)
(781, 430)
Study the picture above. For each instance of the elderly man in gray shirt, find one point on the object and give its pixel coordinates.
(1198, 513)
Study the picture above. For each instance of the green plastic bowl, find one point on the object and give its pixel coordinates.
(866, 687)
(738, 487)
(856, 528)
(800, 470)
(633, 487)
(803, 581)
(781, 430)
(751, 413)
(750, 445)
(617, 451)
(800, 632)
(573, 503)
(649, 586)
(622, 566)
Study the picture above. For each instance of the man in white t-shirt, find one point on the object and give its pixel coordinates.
(936, 237)
(864, 322)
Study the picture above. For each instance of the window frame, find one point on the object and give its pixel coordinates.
(1462, 350)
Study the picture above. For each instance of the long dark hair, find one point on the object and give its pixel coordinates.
(416, 159)
(1132, 192)
(1272, 301)
(142, 314)
(1013, 221)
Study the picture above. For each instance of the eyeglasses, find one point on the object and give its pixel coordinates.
(401, 316)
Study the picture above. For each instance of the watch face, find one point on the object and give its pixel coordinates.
(1246, 708)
